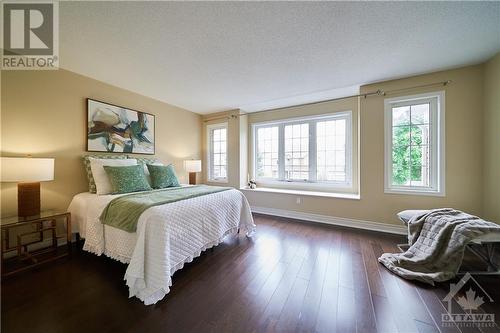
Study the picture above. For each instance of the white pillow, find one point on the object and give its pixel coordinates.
(102, 183)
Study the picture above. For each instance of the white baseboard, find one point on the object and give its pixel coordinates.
(340, 221)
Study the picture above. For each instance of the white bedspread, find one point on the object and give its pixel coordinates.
(167, 237)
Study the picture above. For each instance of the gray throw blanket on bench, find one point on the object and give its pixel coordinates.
(437, 242)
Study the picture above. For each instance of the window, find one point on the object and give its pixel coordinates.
(297, 152)
(414, 132)
(313, 151)
(331, 150)
(267, 158)
(217, 156)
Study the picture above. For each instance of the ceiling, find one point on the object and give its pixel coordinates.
(215, 56)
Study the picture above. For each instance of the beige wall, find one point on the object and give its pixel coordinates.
(492, 139)
(44, 114)
(464, 182)
(244, 171)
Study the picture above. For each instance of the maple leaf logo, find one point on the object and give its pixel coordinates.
(470, 301)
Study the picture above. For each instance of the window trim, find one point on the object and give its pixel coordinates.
(210, 129)
(437, 144)
(346, 186)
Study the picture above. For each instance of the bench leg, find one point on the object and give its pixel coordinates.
(487, 258)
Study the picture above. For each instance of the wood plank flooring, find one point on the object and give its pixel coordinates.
(291, 277)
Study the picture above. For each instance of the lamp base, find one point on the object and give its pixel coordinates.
(192, 178)
(28, 199)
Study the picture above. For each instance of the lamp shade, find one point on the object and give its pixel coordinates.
(192, 165)
(27, 169)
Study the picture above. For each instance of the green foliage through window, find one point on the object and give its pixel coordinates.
(406, 158)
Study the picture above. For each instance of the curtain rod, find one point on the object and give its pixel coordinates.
(373, 93)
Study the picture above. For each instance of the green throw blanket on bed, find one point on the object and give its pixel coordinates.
(124, 212)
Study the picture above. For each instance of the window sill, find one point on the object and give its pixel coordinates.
(332, 187)
(414, 192)
(304, 193)
(218, 181)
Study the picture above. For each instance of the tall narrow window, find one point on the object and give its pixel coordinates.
(267, 152)
(217, 157)
(297, 152)
(414, 141)
(331, 150)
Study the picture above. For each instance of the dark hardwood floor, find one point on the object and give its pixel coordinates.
(291, 277)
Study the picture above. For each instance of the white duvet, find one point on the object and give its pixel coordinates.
(167, 237)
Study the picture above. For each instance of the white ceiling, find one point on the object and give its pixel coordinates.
(215, 56)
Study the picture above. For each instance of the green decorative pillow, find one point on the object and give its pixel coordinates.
(126, 179)
(163, 176)
(144, 161)
(88, 170)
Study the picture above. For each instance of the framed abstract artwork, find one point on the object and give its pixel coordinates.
(116, 129)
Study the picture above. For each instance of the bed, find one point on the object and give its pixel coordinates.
(167, 236)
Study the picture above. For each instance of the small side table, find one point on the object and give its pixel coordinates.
(31, 230)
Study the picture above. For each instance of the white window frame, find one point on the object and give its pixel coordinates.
(311, 184)
(210, 130)
(436, 143)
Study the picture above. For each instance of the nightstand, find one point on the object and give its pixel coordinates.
(32, 240)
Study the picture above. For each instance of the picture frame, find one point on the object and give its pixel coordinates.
(116, 129)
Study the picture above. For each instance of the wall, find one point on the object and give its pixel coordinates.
(44, 114)
(464, 182)
(244, 171)
(491, 195)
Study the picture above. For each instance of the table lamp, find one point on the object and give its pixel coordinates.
(27, 172)
(192, 166)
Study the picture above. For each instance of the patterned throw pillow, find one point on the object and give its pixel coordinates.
(126, 179)
(145, 160)
(88, 170)
(163, 176)
(101, 178)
